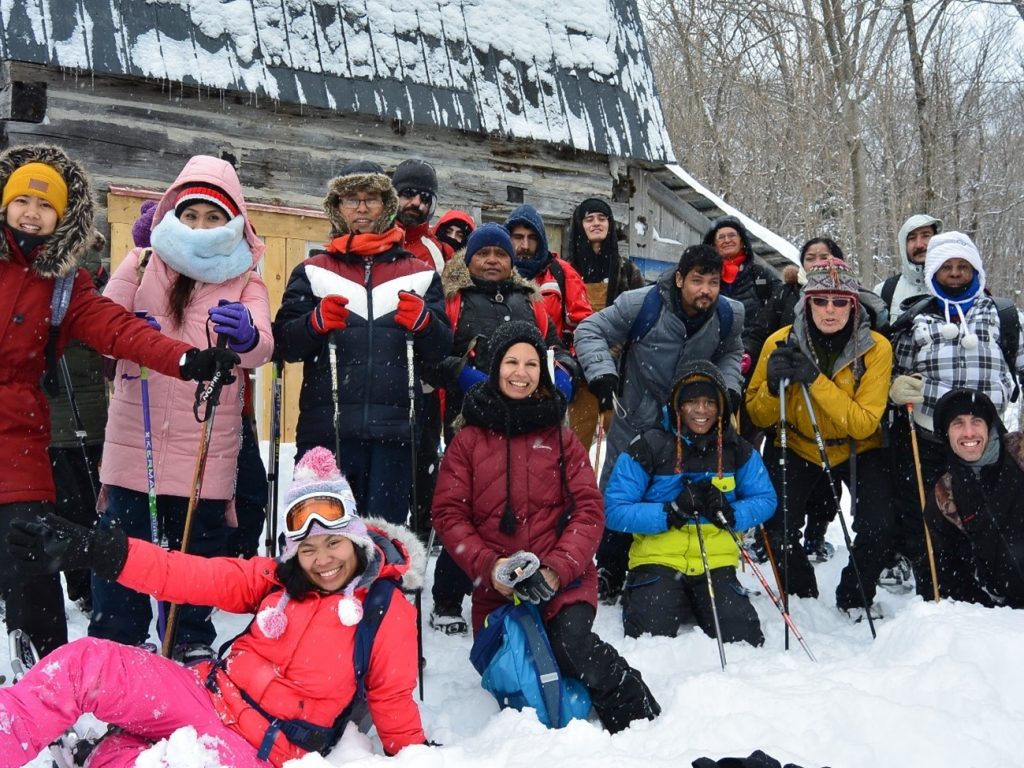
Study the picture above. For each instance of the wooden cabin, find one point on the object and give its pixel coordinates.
(509, 109)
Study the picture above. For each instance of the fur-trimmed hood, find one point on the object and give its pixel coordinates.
(456, 277)
(407, 545)
(340, 186)
(74, 234)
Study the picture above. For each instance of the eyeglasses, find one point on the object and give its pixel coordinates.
(426, 196)
(329, 510)
(352, 203)
(837, 302)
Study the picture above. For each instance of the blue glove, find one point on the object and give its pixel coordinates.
(233, 320)
(564, 383)
(144, 315)
(469, 376)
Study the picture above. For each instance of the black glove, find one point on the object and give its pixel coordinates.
(604, 388)
(717, 508)
(50, 543)
(681, 511)
(780, 367)
(534, 589)
(735, 400)
(803, 368)
(202, 364)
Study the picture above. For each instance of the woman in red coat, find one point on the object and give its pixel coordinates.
(46, 216)
(516, 487)
(283, 687)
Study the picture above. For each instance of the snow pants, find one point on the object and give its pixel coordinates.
(123, 614)
(76, 500)
(147, 696)
(618, 692)
(35, 604)
(659, 599)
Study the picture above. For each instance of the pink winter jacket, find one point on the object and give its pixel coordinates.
(176, 432)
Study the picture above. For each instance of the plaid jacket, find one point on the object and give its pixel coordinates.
(946, 364)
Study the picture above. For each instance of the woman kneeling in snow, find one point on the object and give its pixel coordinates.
(284, 686)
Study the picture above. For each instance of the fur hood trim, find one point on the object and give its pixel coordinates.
(456, 278)
(407, 543)
(74, 234)
(340, 186)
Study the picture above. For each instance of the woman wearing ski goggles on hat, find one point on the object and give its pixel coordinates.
(281, 689)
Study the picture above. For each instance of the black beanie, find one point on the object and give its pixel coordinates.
(963, 401)
(508, 334)
(415, 174)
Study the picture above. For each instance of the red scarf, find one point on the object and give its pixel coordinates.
(731, 268)
(368, 244)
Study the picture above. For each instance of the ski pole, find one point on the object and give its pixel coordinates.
(209, 397)
(920, 494)
(414, 507)
(332, 360)
(786, 617)
(80, 432)
(600, 444)
(784, 443)
(154, 527)
(711, 587)
(827, 466)
(276, 383)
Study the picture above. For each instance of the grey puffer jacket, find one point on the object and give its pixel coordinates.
(653, 361)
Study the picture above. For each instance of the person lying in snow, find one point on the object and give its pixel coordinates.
(290, 672)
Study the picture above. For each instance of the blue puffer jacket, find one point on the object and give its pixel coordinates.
(645, 479)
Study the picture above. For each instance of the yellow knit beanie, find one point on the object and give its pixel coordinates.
(38, 180)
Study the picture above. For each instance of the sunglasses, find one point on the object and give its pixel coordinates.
(426, 196)
(328, 509)
(824, 301)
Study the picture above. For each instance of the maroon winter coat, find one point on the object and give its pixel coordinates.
(470, 498)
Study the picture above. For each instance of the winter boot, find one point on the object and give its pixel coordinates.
(447, 617)
(899, 577)
(609, 586)
(192, 653)
(72, 749)
(856, 614)
(630, 700)
(819, 551)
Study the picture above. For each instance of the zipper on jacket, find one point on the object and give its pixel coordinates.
(368, 384)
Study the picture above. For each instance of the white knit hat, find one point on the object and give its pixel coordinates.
(941, 248)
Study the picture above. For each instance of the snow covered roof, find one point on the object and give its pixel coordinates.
(575, 73)
(766, 243)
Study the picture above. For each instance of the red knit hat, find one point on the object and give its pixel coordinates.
(205, 193)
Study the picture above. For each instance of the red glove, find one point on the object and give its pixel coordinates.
(412, 312)
(745, 362)
(330, 314)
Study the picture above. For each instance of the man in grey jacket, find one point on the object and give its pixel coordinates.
(912, 245)
(684, 319)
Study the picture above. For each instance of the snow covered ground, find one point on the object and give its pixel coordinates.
(938, 687)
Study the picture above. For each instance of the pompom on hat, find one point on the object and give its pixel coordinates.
(317, 478)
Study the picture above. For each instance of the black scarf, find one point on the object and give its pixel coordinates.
(828, 346)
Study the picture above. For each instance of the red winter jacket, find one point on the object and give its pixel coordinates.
(574, 306)
(307, 673)
(421, 243)
(25, 326)
(470, 498)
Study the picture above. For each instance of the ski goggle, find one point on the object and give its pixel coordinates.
(839, 302)
(331, 511)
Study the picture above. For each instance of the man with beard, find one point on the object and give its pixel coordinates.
(679, 319)
(416, 183)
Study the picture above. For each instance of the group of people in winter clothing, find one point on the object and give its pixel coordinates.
(516, 358)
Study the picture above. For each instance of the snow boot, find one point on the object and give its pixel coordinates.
(630, 700)
(609, 586)
(856, 614)
(447, 617)
(899, 577)
(819, 551)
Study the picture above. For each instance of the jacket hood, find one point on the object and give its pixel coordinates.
(204, 169)
(74, 233)
(914, 273)
(730, 221)
(702, 370)
(405, 557)
(454, 217)
(527, 215)
(340, 186)
(456, 277)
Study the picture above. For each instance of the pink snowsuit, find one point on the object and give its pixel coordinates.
(168, 697)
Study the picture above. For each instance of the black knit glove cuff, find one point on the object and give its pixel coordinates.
(109, 552)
